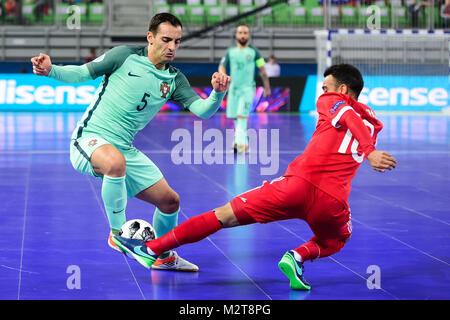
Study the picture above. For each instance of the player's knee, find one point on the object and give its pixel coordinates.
(170, 203)
(334, 246)
(226, 216)
(109, 161)
(115, 167)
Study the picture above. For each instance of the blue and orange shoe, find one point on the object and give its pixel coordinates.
(137, 249)
(293, 269)
(148, 259)
(112, 245)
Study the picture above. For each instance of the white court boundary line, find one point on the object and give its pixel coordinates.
(17, 269)
(27, 190)
(402, 207)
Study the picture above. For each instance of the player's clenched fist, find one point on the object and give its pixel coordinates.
(220, 81)
(381, 160)
(41, 65)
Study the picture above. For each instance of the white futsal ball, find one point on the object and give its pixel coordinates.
(138, 229)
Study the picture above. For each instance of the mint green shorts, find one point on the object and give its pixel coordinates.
(141, 172)
(240, 101)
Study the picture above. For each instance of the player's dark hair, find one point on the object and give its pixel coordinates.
(348, 75)
(163, 17)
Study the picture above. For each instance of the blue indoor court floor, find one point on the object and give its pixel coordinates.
(53, 228)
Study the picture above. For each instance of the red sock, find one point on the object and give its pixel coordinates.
(192, 230)
(316, 248)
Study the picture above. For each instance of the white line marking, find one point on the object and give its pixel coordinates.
(100, 203)
(27, 188)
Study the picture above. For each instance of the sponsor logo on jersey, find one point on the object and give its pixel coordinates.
(165, 89)
(336, 106)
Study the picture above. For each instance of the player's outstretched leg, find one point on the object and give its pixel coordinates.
(293, 269)
(136, 249)
(190, 231)
(147, 258)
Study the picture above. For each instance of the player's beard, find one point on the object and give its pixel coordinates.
(242, 42)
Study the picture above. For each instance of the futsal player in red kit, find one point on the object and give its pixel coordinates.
(315, 187)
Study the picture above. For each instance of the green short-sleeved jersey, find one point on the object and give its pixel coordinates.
(131, 93)
(242, 63)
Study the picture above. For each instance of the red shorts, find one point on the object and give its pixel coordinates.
(290, 197)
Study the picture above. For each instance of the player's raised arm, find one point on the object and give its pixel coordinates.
(203, 108)
(42, 66)
(105, 64)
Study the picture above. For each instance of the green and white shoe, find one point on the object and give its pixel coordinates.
(293, 269)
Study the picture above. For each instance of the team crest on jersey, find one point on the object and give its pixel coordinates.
(165, 89)
(249, 57)
(92, 143)
(336, 106)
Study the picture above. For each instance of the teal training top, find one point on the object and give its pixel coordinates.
(242, 63)
(131, 93)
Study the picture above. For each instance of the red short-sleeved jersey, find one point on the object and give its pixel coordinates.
(333, 155)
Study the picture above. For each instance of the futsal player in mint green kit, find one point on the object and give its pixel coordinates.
(137, 82)
(242, 60)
